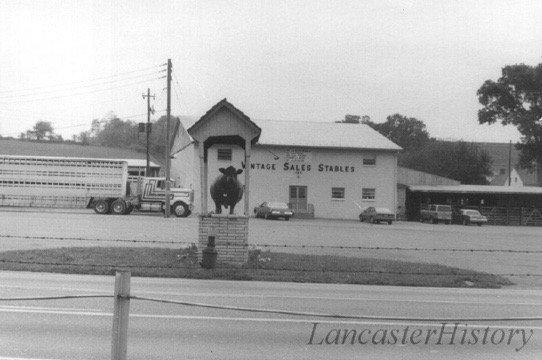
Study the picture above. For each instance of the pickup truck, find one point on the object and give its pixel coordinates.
(436, 214)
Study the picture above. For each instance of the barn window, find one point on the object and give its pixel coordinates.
(337, 193)
(224, 154)
(369, 161)
(368, 193)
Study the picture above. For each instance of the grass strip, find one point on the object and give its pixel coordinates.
(262, 266)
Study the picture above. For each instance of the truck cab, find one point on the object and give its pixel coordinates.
(147, 194)
(151, 193)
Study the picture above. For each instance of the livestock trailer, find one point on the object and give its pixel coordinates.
(40, 181)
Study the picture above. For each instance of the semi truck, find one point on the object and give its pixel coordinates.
(100, 184)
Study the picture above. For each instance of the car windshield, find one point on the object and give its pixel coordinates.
(278, 205)
(444, 208)
(383, 210)
(473, 212)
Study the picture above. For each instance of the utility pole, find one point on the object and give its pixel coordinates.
(168, 116)
(148, 127)
(510, 163)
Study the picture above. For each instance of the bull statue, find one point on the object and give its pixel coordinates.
(227, 191)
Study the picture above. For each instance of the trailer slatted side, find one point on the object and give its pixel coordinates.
(59, 182)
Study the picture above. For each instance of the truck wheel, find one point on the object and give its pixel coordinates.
(101, 207)
(118, 207)
(180, 209)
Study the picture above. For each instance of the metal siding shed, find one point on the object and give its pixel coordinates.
(479, 189)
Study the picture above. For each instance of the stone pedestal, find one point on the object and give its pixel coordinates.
(231, 237)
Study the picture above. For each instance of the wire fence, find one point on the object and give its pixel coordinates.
(278, 311)
(315, 266)
(269, 245)
(122, 298)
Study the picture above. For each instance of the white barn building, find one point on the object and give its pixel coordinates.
(325, 170)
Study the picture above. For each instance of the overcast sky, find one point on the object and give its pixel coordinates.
(69, 62)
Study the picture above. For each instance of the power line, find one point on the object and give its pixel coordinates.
(111, 101)
(141, 76)
(79, 93)
(82, 81)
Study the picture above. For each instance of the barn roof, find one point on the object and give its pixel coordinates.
(317, 135)
(323, 135)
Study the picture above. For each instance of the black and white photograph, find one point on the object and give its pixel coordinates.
(238, 180)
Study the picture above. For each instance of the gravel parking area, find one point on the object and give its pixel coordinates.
(22, 229)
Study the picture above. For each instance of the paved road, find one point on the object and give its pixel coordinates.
(87, 225)
(80, 329)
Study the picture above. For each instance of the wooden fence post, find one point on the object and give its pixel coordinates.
(119, 342)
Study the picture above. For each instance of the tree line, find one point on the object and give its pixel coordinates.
(514, 99)
(111, 131)
(458, 160)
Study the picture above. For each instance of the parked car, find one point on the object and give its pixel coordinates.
(376, 215)
(469, 216)
(436, 214)
(273, 210)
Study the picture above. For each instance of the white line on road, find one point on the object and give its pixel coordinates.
(7, 307)
(245, 319)
(19, 358)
